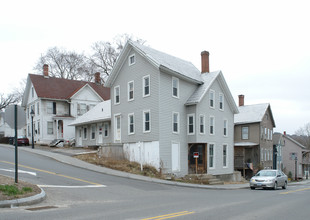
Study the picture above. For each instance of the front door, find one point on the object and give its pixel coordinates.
(100, 136)
(117, 128)
(201, 150)
(79, 141)
(175, 157)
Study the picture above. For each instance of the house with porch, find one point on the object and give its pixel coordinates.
(253, 138)
(56, 102)
(164, 110)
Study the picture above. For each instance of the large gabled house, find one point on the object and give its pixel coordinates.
(253, 138)
(164, 111)
(56, 102)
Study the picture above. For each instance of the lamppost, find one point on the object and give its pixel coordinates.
(32, 115)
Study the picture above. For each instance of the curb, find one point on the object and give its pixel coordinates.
(24, 201)
(82, 164)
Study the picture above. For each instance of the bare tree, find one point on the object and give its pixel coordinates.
(105, 53)
(13, 98)
(302, 135)
(63, 64)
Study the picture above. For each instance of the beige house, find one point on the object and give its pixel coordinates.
(253, 137)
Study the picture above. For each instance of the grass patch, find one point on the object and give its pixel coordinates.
(12, 190)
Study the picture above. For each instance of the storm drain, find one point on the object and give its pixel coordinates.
(41, 208)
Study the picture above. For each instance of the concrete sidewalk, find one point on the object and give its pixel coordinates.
(64, 155)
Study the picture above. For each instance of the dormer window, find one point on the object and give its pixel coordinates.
(132, 59)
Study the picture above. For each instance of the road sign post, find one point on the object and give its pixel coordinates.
(196, 156)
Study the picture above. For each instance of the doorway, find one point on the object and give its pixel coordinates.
(200, 151)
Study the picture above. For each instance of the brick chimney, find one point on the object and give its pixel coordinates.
(45, 71)
(241, 100)
(205, 62)
(97, 78)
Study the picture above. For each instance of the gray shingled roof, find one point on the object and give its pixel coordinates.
(251, 113)
(208, 79)
(160, 59)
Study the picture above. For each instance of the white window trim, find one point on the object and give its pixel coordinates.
(188, 116)
(213, 156)
(225, 120)
(129, 58)
(91, 131)
(178, 87)
(212, 125)
(133, 90)
(85, 138)
(143, 84)
(221, 95)
(150, 120)
(224, 144)
(213, 97)
(204, 124)
(178, 122)
(115, 128)
(47, 127)
(242, 133)
(103, 126)
(133, 115)
(119, 92)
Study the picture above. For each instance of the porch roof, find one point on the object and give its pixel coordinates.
(246, 144)
(101, 112)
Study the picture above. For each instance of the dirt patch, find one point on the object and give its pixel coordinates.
(121, 165)
(4, 180)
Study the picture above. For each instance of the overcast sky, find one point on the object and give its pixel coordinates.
(262, 47)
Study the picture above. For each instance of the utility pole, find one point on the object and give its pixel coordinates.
(16, 145)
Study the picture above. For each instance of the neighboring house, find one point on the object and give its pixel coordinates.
(7, 122)
(253, 138)
(278, 144)
(93, 128)
(164, 110)
(295, 157)
(56, 102)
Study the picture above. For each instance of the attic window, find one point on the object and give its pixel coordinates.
(132, 59)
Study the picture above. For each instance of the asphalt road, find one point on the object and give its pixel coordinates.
(75, 193)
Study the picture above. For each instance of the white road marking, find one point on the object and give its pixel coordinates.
(20, 171)
(73, 187)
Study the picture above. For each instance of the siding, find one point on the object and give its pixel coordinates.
(136, 73)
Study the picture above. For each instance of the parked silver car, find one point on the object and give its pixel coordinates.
(269, 179)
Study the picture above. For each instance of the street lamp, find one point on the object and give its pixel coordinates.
(32, 114)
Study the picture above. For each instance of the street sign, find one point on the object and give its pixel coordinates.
(196, 154)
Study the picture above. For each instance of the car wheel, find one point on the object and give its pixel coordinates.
(285, 185)
(275, 186)
(252, 187)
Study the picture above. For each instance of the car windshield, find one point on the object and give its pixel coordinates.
(266, 173)
(21, 137)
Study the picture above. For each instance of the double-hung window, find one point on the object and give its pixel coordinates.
(131, 123)
(132, 59)
(49, 107)
(245, 133)
(93, 132)
(201, 124)
(224, 155)
(211, 128)
(221, 101)
(106, 129)
(225, 127)
(175, 122)
(85, 133)
(211, 155)
(146, 86)
(211, 98)
(50, 129)
(146, 121)
(130, 91)
(175, 87)
(116, 94)
(191, 124)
